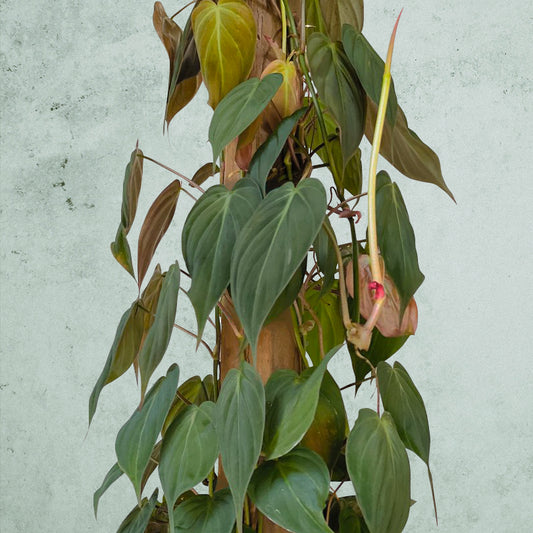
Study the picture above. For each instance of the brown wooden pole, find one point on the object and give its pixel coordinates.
(277, 346)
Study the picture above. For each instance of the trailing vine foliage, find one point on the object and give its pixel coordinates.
(261, 242)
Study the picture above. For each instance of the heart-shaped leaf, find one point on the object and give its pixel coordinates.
(326, 307)
(403, 149)
(266, 155)
(190, 448)
(155, 226)
(225, 36)
(185, 77)
(137, 436)
(291, 491)
(339, 90)
(208, 238)
(240, 422)
(369, 68)
(329, 17)
(379, 469)
(291, 401)
(114, 473)
(396, 240)
(158, 337)
(239, 109)
(137, 521)
(403, 401)
(203, 514)
(271, 247)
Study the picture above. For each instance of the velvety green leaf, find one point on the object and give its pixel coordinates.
(203, 514)
(403, 149)
(339, 90)
(195, 391)
(158, 337)
(397, 242)
(137, 521)
(403, 401)
(349, 521)
(239, 109)
(329, 17)
(240, 422)
(325, 257)
(155, 226)
(190, 448)
(225, 36)
(93, 400)
(114, 473)
(152, 464)
(271, 247)
(266, 155)
(137, 436)
(292, 491)
(326, 307)
(208, 238)
(379, 469)
(121, 250)
(291, 401)
(185, 77)
(329, 428)
(369, 68)
(204, 173)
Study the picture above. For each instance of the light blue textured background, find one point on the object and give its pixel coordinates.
(81, 81)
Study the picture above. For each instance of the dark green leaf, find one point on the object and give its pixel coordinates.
(203, 514)
(121, 250)
(114, 473)
(155, 226)
(327, 433)
(379, 469)
(266, 155)
(339, 90)
(403, 149)
(93, 401)
(190, 448)
(369, 68)
(208, 238)
(137, 437)
(292, 490)
(137, 521)
(152, 464)
(240, 422)
(271, 247)
(239, 109)
(397, 242)
(205, 172)
(329, 17)
(158, 337)
(194, 391)
(225, 34)
(326, 257)
(403, 401)
(327, 309)
(291, 405)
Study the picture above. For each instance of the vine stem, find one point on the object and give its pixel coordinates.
(283, 29)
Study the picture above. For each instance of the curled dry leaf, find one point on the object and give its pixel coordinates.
(388, 322)
(155, 225)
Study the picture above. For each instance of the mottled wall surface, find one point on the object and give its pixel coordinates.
(82, 81)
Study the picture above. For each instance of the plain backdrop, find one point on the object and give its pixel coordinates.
(82, 81)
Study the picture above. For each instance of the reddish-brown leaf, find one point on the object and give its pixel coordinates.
(388, 323)
(131, 188)
(155, 225)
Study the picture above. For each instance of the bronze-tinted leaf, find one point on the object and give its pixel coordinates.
(225, 36)
(329, 17)
(185, 77)
(402, 147)
(389, 320)
(155, 225)
(121, 250)
(131, 188)
(204, 173)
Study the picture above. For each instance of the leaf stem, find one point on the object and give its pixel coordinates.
(283, 29)
(202, 342)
